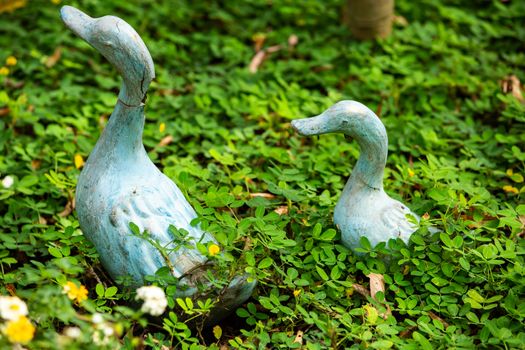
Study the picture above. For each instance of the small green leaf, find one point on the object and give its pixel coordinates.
(99, 289)
(321, 273)
(458, 242)
(55, 252)
(317, 230)
(473, 303)
(181, 303)
(328, 235)
(266, 262)
(464, 263)
(446, 239)
(423, 341)
(335, 273)
(111, 291)
(217, 332)
(475, 295)
(242, 312)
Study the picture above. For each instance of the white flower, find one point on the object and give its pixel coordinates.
(103, 330)
(8, 181)
(97, 318)
(108, 331)
(155, 301)
(72, 332)
(102, 334)
(11, 308)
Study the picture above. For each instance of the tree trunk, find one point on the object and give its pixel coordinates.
(369, 19)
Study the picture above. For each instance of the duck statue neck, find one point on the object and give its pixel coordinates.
(120, 185)
(364, 208)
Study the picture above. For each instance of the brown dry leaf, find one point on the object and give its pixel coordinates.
(53, 59)
(323, 68)
(42, 220)
(377, 284)
(224, 347)
(361, 290)
(11, 5)
(256, 61)
(379, 109)
(4, 111)
(35, 164)
(400, 20)
(274, 48)
(511, 84)
(70, 205)
(281, 210)
(169, 92)
(260, 56)
(165, 141)
(11, 289)
(407, 332)
(521, 218)
(299, 338)
(102, 121)
(247, 243)
(259, 40)
(13, 83)
(262, 194)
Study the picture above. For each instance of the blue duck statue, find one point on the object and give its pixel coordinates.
(364, 208)
(119, 184)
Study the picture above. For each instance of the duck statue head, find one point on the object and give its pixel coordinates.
(364, 208)
(120, 186)
(120, 44)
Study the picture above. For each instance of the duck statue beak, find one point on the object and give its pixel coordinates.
(77, 21)
(312, 126)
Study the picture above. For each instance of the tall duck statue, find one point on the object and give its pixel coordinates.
(364, 208)
(119, 184)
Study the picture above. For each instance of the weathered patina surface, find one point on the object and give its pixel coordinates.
(364, 208)
(120, 185)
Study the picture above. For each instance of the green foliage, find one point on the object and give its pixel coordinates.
(457, 153)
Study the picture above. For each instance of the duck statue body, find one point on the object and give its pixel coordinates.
(364, 208)
(119, 184)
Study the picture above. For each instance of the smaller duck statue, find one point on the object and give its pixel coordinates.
(364, 209)
(120, 185)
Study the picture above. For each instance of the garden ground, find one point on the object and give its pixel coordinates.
(446, 84)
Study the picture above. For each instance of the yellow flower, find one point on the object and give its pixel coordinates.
(162, 127)
(10, 61)
(213, 249)
(411, 172)
(56, 2)
(82, 294)
(4, 71)
(75, 293)
(296, 292)
(510, 189)
(79, 161)
(19, 331)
